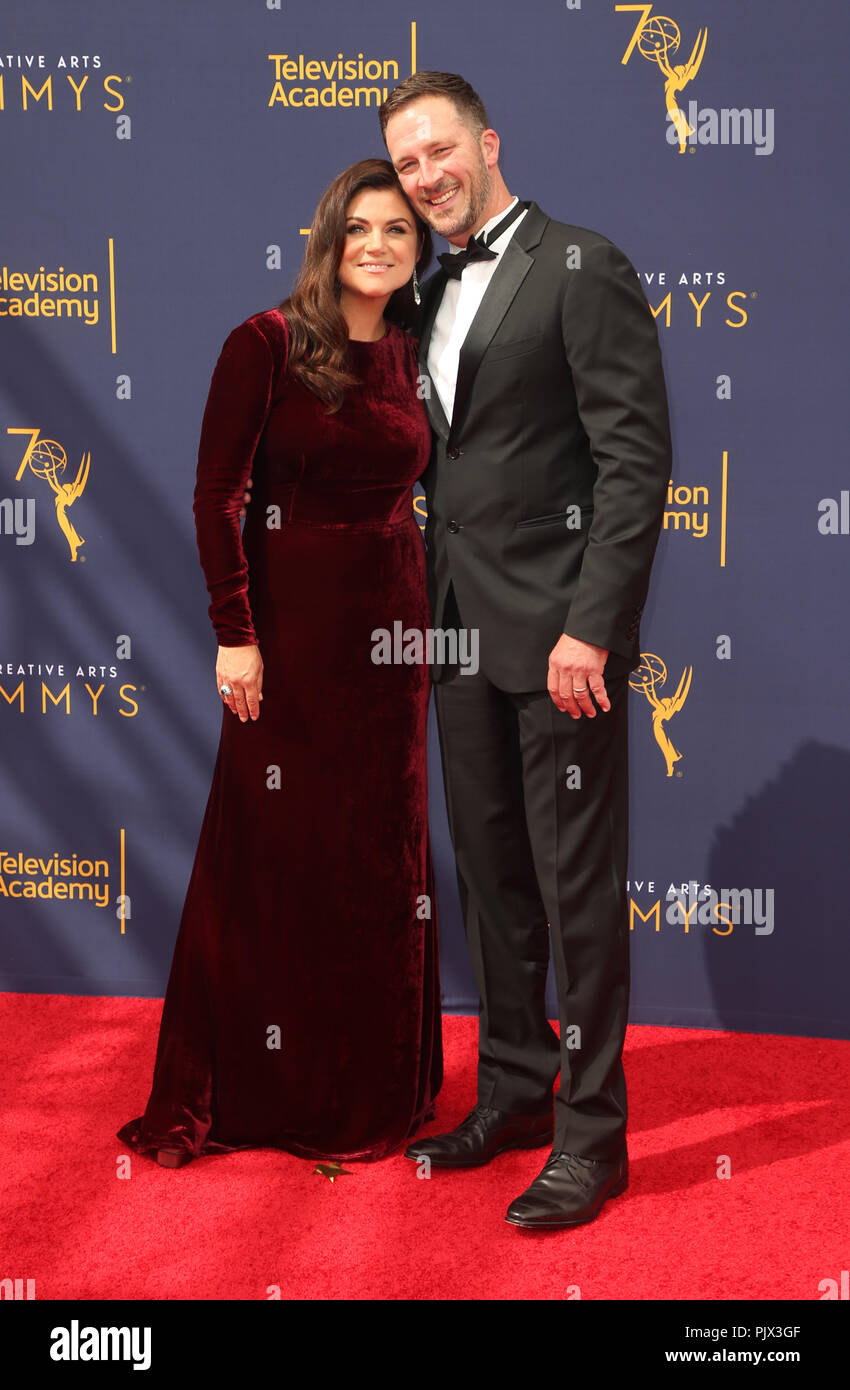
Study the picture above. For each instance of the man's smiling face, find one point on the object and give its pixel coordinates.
(443, 169)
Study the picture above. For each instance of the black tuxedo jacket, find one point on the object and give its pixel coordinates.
(546, 496)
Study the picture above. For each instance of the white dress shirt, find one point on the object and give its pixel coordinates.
(458, 308)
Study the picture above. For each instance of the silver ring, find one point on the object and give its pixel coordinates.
(579, 689)
(225, 690)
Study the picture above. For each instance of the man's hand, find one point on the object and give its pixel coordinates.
(575, 673)
(242, 669)
(246, 496)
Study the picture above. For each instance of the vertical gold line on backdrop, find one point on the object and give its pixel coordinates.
(112, 290)
(723, 508)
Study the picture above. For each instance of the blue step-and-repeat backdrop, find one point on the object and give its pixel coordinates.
(160, 167)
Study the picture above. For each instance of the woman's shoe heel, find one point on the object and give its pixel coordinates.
(173, 1158)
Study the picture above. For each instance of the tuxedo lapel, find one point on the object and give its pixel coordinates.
(432, 293)
(514, 264)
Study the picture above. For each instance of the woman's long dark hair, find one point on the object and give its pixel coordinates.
(318, 338)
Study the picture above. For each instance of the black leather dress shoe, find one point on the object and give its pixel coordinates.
(569, 1191)
(484, 1133)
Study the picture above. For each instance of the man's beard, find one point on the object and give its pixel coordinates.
(467, 217)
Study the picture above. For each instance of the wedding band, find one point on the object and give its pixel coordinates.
(225, 690)
(579, 689)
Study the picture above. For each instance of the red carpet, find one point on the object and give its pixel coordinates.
(232, 1226)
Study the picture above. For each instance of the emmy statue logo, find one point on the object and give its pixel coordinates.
(657, 38)
(649, 675)
(48, 461)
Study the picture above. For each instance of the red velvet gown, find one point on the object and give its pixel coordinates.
(308, 905)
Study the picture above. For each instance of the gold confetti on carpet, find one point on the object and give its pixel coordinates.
(332, 1170)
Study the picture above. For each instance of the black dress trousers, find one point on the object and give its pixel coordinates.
(538, 813)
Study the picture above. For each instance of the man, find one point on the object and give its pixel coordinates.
(545, 494)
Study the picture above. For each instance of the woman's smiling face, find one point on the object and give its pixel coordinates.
(380, 244)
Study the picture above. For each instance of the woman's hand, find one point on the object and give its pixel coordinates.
(242, 669)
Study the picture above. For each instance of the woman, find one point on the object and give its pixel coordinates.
(303, 1006)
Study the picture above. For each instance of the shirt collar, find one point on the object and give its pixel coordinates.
(489, 225)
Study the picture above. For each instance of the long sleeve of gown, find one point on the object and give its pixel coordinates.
(235, 413)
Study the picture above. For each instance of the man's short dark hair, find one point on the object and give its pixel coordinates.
(467, 102)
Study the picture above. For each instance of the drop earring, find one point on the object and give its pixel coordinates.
(416, 294)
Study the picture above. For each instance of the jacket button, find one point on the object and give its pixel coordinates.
(452, 526)
(453, 453)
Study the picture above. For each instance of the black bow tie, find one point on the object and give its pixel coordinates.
(454, 262)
